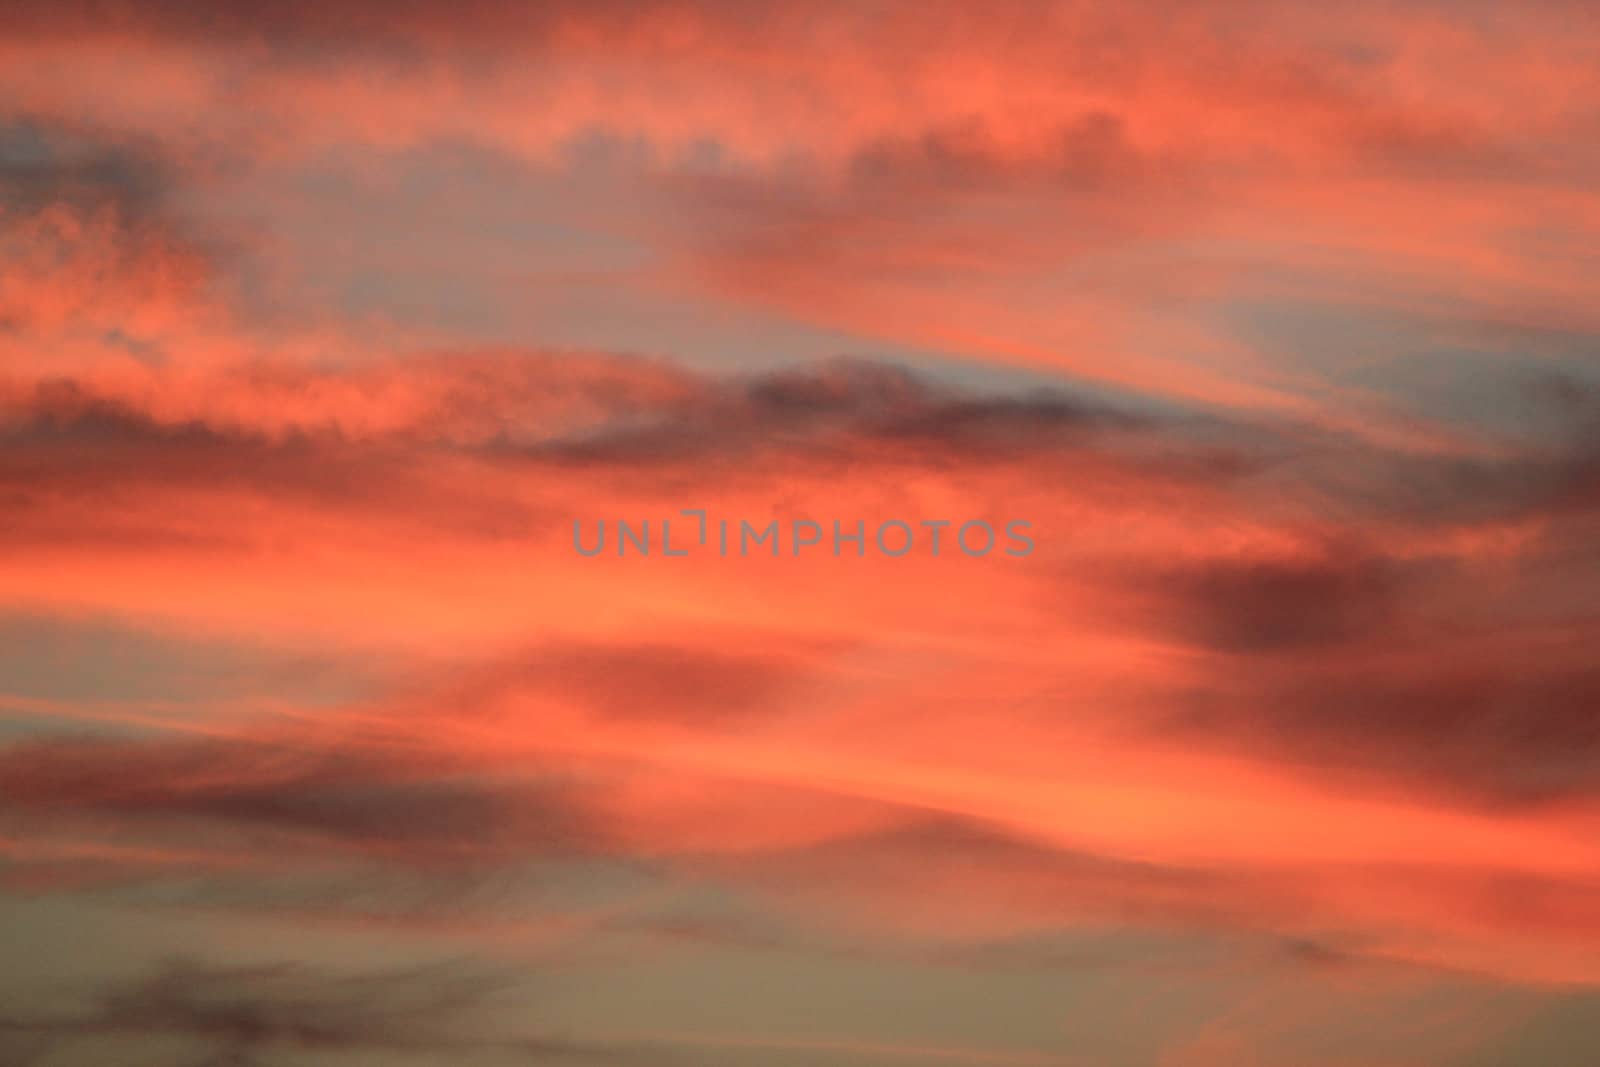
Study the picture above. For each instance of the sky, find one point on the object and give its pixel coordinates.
(1172, 438)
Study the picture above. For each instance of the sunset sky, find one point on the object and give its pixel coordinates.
(324, 323)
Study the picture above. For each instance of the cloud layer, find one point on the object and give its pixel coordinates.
(323, 326)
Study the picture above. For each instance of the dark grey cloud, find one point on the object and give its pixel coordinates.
(1493, 721)
(539, 419)
(1494, 729)
(43, 165)
(253, 1016)
(388, 803)
(1345, 594)
(93, 227)
(865, 416)
(309, 30)
(67, 443)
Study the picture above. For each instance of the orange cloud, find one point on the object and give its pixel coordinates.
(1299, 658)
